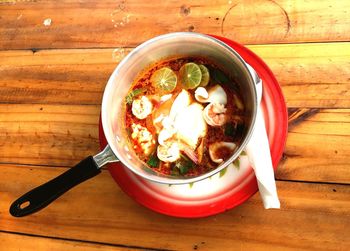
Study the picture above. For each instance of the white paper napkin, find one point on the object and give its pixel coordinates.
(258, 151)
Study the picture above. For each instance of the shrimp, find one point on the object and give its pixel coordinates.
(169, 152)
(142, 107)
(214, 114)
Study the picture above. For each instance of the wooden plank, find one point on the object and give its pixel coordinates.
(311, 75)
(56, 76)
(312, 217)
(318, 146)
(79, 76)
(63, 135)
(54, 134)
(15, 242)
(127, 23)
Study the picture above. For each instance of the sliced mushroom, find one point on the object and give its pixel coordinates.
(214, 114)
(221, 151)
(216, 94)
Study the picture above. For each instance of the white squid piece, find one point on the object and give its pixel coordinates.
(221, 151)
(216, 94)
(181, 102)
(190, 125)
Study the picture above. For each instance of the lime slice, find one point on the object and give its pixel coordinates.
(164, 79)
(205, 75)
(190, 75)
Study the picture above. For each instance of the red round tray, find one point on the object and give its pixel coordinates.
(159, 197)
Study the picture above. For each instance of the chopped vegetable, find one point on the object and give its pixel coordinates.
(175, 171)
(184, 157)
(192, 155)
(229, 130)
(218, 76)
(183, 164)
(238, 102)
(134, 93)
(153, 160)
(240, 129)
(200, 151)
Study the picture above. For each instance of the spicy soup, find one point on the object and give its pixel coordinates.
(184, 116)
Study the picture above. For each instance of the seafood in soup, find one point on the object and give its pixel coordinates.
(184, 116)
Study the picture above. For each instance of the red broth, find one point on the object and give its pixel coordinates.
(198, 161)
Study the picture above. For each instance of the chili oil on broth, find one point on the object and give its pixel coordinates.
(231, 131)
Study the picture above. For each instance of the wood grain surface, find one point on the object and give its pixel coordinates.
(62, 135)
(91, 24)
(51, 86)
(99, 211)
(15, 242)
(79, 76)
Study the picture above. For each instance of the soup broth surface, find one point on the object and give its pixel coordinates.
(184, 116)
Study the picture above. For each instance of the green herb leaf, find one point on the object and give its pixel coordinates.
(191, 184)
(153, 161)
(222, 172)
(238, 102)
(134, 93)
(184, 164)
(183, 168)
(243, 153)
(218, 76)
(175, 171)
(229, 130)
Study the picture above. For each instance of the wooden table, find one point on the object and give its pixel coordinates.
(55, 60)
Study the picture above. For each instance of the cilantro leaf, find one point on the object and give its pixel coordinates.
(153, 161)
(184, 164)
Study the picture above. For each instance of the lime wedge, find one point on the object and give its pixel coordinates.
(164, 79)
(205, 75)
(190, 75)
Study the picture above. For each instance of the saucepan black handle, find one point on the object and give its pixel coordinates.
(43, 195)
